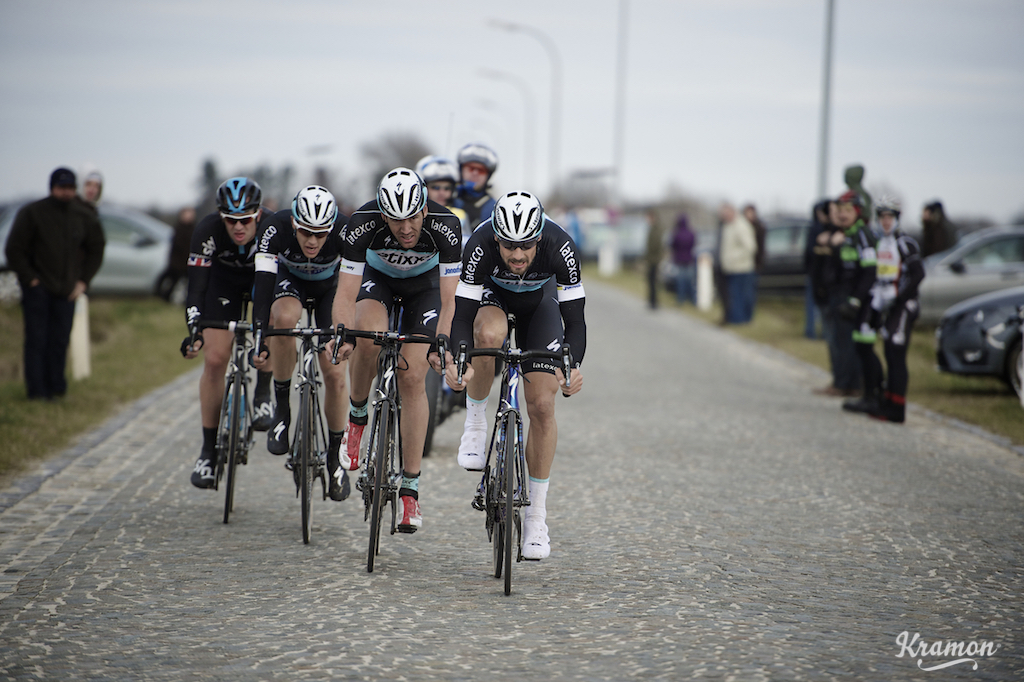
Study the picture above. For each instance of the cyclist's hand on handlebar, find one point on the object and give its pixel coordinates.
(451, 375)
(435, 361)
(575, 381)
(191, 346)
(261, 360)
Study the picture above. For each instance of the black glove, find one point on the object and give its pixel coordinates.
(189, 340)
(252, 352)
(850, 309)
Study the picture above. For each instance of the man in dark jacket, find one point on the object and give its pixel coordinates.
(55, 247)
(938, 233)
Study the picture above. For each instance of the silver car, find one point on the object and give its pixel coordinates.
(136, 254)
(984, 261)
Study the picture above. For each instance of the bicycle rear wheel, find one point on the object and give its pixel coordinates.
(236, 409)
(304, 440)
(383, 440)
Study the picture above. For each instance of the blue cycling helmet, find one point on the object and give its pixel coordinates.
(239, 196)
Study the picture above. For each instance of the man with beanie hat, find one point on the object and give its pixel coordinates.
(55, 247)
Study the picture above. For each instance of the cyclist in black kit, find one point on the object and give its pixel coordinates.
(398, 245)
(522, 263)
(297, 258)
(477, 163)
(220, 275)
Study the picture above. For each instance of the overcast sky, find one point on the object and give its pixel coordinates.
(723, 96)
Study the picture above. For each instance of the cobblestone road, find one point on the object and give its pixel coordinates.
(710, 518)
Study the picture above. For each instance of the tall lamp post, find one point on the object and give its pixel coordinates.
(826, 100)
(555, 130)
(620, 100)
(524, 90)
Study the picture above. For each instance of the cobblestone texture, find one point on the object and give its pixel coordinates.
(710, 518)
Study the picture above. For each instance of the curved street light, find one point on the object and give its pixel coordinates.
(524, 90)
(555, 130)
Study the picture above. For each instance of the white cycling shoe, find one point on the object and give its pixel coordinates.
(471, 449)
(536, 543)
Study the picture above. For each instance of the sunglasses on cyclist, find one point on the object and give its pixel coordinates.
(441, 186)
(310, 234)
(231, 220)
(512, 246)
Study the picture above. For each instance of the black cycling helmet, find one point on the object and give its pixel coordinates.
(239, 196)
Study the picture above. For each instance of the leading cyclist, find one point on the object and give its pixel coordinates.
(398, 245)
(520, 262)
(298, 258)
(220, 275)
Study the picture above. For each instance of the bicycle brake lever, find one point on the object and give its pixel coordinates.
(339, 335)
(462, 361)
(566, 363)
(442, 351)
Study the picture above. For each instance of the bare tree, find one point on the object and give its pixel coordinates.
(390, 151)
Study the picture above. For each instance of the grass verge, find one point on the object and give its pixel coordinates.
(134, 350)
(779, 322)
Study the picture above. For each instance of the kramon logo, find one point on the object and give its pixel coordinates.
(960, 652)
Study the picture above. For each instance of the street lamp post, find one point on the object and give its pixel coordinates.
(555, 130)
(826, 100)
(524, 90)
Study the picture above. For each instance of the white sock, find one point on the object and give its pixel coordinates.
(476, 412)
(538, 499)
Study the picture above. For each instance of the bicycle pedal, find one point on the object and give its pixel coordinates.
(478, 503)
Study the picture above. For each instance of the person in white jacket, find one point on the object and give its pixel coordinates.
(736, 256)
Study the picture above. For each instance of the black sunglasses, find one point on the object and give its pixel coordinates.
(512, 246)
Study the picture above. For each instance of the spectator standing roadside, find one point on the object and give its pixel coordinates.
(683, 241)
(653, 255)
(760, 233)
(737, 253)
(55, 247)
(938, 233)
(838, 331)
(92, 190)
(812, 298)
(177, 259)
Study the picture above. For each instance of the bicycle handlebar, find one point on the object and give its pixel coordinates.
(516, 355)
(343, 335)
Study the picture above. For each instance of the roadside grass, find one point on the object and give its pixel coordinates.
(134, 350)
(778, 321)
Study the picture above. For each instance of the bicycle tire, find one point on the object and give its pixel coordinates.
(508, 504)
(236, 409)
(305, 463)
(381, 477)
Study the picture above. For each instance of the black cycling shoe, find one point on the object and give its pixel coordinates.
(203, 475)
(263, 415)
(277, 438)
(339, 487)
(866, 405)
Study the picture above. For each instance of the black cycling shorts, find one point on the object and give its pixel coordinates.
(320, 291)
(538, 321)
(421, 298)
(225, 293)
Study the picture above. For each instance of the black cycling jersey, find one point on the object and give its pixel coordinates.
(484, 272)
(278, 253)
(369, 242)
(220, 272)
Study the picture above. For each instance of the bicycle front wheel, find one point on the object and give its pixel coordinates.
(304, 443)
(236, 410)
(384, 441)
(508, 510)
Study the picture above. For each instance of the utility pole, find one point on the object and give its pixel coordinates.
(826, 97)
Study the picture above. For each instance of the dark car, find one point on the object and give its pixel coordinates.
(135, 256)
(982, 336)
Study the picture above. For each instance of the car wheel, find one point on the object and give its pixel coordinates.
(1013, 369)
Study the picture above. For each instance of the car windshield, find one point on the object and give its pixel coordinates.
(997, 252)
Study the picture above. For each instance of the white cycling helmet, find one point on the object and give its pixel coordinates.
(888, 204)
(401, 194)
(314, 209)
(475, 152)
(518, 217)
(437, 169)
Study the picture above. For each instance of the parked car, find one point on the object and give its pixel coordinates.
(135, 256)
(982, 336)
(783, 270)
(983, 261)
